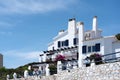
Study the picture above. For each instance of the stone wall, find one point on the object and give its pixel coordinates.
(109, 71)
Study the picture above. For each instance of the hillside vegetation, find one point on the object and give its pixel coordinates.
(20, 71)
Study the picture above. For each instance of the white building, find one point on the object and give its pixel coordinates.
(76, 42)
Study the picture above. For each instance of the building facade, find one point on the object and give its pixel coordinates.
(1, 60)
(76, 44)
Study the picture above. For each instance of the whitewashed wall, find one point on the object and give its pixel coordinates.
(107, 44)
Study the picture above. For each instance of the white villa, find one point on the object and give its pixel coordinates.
(76, 44)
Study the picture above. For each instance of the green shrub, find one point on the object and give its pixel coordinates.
(53, 69)
(118, 36)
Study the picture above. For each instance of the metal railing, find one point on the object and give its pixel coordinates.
(111, 57)
(107, 58)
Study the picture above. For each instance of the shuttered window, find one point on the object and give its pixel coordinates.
(97, 47)
(66, 42)
(75, 41)
(89, 48)
(84, 49)
(59, 44)
(93, 48)
(63, 43)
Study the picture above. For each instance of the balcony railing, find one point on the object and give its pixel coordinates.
(111, 57)
(107, 58)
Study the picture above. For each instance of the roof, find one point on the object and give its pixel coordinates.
(61, 35)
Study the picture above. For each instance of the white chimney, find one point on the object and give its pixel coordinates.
(95, 23)
(81, 31)
(72, 26)
(71, 30)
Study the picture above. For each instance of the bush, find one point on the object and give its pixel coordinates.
(60, 57)
(53, 69)
(118, 36)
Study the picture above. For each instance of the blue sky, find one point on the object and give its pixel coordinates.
(27, 26)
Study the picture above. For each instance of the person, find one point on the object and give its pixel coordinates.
(87, 61)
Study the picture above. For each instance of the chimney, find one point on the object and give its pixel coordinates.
(81, 31)
(60, 32)
(71, 30)
(71, 19)
(95, 23)
(72, 26)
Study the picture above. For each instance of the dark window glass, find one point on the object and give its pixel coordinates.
(93, 48)
(75, 41)
(97, 47)
(63, 43)
(84, 49)
(66, 42)
(77, 55)
(89, 48)
(59, 44)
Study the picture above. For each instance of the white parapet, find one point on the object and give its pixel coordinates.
(59, 67)
(47, 70)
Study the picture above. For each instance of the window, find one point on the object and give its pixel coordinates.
(93, 48)
(84, 49)
(75, 41)
(59, 45)
(66, 42)
(77, 55)
(89, 48)
(63, 43)
(97, 47)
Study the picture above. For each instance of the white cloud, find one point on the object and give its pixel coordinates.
(23, 55)
(32, 6)
(16, 58)
(4, 25)
(32, 55)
